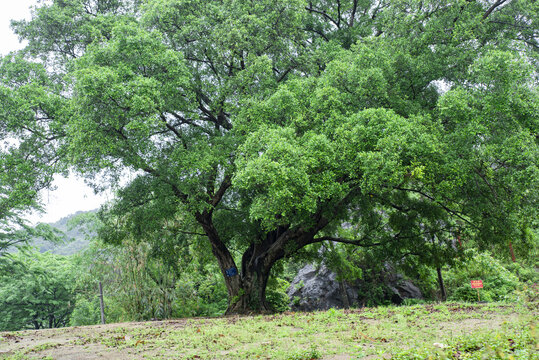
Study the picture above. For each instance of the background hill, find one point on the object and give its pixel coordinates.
(76, 238)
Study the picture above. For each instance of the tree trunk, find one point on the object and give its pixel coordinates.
(441, 283)
(250, 296)
(247, 289)
(256, 265)
(344, 294)
(512, 252)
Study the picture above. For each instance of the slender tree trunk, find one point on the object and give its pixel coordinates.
(344, 294)
(101, 303)
(441, 283)
(512, 252)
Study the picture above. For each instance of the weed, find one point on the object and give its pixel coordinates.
(310, 354)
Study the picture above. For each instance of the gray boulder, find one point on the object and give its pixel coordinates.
(317, 288)
(402, 288)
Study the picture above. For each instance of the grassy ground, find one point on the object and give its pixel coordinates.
(454, 331)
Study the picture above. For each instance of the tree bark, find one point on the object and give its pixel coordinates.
(101, 303)
(513, 258)
(251, 296)
(441, 283)
(246, 289)
(344, 294)
(247, 286)
(257, 262)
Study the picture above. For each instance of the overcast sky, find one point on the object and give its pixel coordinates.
(72, 194)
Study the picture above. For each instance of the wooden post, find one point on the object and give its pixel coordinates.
(101, 303)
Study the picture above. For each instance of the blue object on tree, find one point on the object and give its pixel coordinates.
(231, 272)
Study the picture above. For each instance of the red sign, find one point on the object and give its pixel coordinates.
(477, 284)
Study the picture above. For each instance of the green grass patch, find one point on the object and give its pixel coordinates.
(428, 331)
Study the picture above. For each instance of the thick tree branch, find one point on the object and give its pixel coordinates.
(353, 14)
(357, 242)
(493, 7)
(219, 250)
(311, 9)
(227, 182)
(171, 128)
(449, 210)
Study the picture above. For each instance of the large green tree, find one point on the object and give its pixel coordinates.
(37, 293)
(265, 126)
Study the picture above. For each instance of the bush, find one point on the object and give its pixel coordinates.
(276, 294)
(85, 312)
(200, 294)
(527, 275)
(498, 282)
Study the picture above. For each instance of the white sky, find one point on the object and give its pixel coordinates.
(72, 194)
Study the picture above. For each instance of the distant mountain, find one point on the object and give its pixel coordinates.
(77, 239)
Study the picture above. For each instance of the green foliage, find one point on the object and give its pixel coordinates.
(265, 126)
(499, 283)
(136, 286)
(276, 294)
(526, 274)
(86, 312)
(145, 281)
(27, 162)
(200, 293)
(37, 292)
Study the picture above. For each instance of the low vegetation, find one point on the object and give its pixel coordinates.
(438, 331)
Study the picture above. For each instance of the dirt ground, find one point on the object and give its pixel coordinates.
(72, 343)
(160, 339)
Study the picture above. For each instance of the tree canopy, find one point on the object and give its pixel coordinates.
(263, 127)
(37, 292)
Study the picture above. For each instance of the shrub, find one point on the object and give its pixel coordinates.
(498, 282)
(276, 294)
